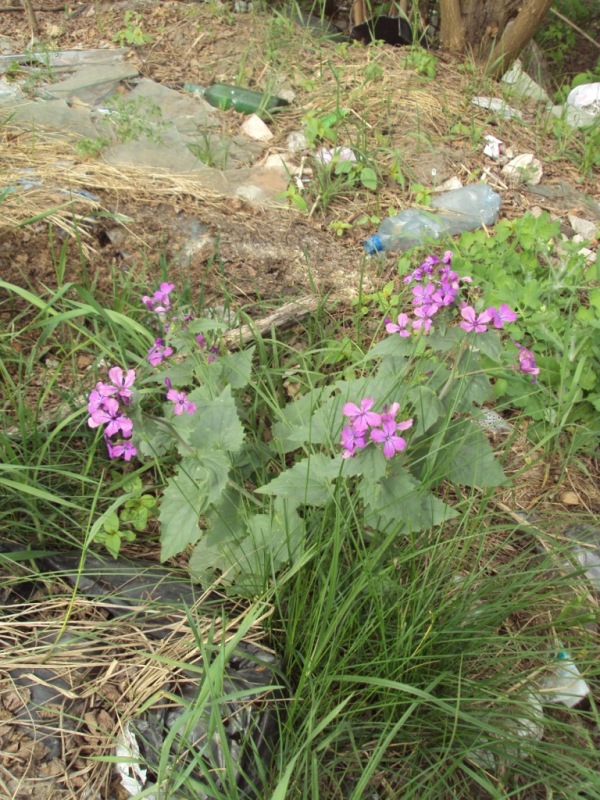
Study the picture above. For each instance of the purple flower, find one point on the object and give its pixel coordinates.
(389, 414)
(447, 257)
(429, 264)
(122, 381)
(124, 448)
(351, 441)
(158, 352)
(473, 321)
(361, 417)
(423, 294)
(201, 340)
(159, 302)
(108, 414)
(502, 315)
(181, 402)
(386, 435)
(527, 362)
(424, 316)
(400, 328)
(445, 295)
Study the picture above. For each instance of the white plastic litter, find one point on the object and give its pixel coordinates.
(133, 776)
(586, 98)
(494, 148)
(495, 104)
(326, 154)
(565, 685)
(525, 168)
(526, 727)
(255, 128)
(521, 84)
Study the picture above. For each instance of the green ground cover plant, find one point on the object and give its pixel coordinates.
(415, 650)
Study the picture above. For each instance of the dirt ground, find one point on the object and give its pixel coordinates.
(223, 244)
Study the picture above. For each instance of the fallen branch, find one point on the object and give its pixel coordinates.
(281, 318)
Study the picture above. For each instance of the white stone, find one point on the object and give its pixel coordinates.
(583, 227)
(525, 168)
(255, 128)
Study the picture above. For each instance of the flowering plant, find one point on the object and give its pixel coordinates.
(390, 436)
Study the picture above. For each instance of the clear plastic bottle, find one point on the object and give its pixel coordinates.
(456, 211)
(566, 685)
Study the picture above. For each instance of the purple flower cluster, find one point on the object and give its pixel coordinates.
(380, 428)
(158, 352)
(159, 303)
(105, 408)
(437, 287)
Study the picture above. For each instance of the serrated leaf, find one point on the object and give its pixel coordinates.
(198, 482)
(369, 461)
(293, 426)
(428, 408)
(394, 345)
(490, 344)
(237, 368)
(466, 457)
(309, 481)
(152, 438)
(248, 562)
(215, 423)
(398, 502)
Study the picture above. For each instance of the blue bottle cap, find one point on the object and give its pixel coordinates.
(373, 245)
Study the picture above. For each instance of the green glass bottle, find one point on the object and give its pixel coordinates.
(222, 96)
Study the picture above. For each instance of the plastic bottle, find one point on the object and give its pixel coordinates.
(223, 96)
(566, 685)
(456, 211)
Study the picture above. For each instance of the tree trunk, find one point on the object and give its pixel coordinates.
(480, 26)
(517, 35)
(452, 29)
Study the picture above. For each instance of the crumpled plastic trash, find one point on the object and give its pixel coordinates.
(495, 104)
(495, 148)
(586, 97)
(156, 600)
(326, 154)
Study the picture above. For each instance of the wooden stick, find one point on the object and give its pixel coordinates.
(281, 318)
(33, 23)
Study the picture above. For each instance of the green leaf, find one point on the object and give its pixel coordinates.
(490, 344)
(368, 178)
(272, 540)
(237, 368)
(394, 345)
(369, 461)
(309, 481)
(466, 457)
(198, 482)
(111, 522)
(215, 423)
(398, 502)
(293, 427)
(428, 408)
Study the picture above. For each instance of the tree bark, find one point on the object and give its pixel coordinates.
(517, 35)
(33, 23)
(452, 28)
